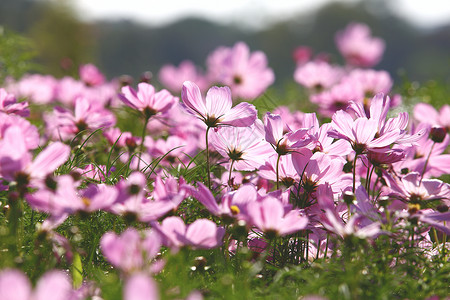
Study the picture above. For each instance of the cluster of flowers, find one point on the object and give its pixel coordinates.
(363, 174)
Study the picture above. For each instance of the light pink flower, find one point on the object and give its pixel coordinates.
(131, 251)
(201, 234)
(244, 147)
(317, 75)
(53, 285)
(283, 143)
(146, 100)
(247, 74)
(173, 77)
(269, 216)
(9, 105)
(358, 47)
(215, 110)
(91, 75)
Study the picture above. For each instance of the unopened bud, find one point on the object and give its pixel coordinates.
(437, 134)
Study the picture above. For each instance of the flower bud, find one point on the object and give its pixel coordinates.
(437, 134)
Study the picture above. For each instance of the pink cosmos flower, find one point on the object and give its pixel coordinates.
(358, 47)
(287, 173)
(173, 77)
(412, 189)
(370, 81)
(16, 162)
(30, 132)
(201, 234)
(9, 105)
(37, 88)
(353, 226)
(337, 97)
(64, 198)
(55, 285)
(283, 143)
(319, 168)
(146, 100)
(247, 74)
(173, 150)
(91, 75)
(65, 124)
(131, 251)
(371, 133)
(426, 151)
(317, 75)
(426, 113)
(269, 216)
(244, 147)
(215, 110)
(133, 202)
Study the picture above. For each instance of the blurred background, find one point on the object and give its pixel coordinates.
(134, 36)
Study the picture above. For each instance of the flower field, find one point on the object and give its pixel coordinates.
(206, 184)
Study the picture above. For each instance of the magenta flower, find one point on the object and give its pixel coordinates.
(247, 74)
(358, 47)
(146, 100)
(201, 234)
(215, 110)
(270, 217)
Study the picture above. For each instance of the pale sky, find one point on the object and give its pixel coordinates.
(255, 13)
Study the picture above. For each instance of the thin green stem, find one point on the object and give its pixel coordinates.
(354, 172)
(141, 146)
(426, 162)
(277, 171)
(231, 170)
(207, 158)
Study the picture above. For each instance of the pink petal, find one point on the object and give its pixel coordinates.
(140, 286)
(53, 285)
(242, 115)
(14, 285)
(204, 234)
(49, 159)
(218, 101)
(192, 98)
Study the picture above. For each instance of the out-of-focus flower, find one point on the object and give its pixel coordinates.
(91, 75)
(173, 78)
(358, 47)
(247, 74)
(201, 234)
(9, 105)
(269, 215)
